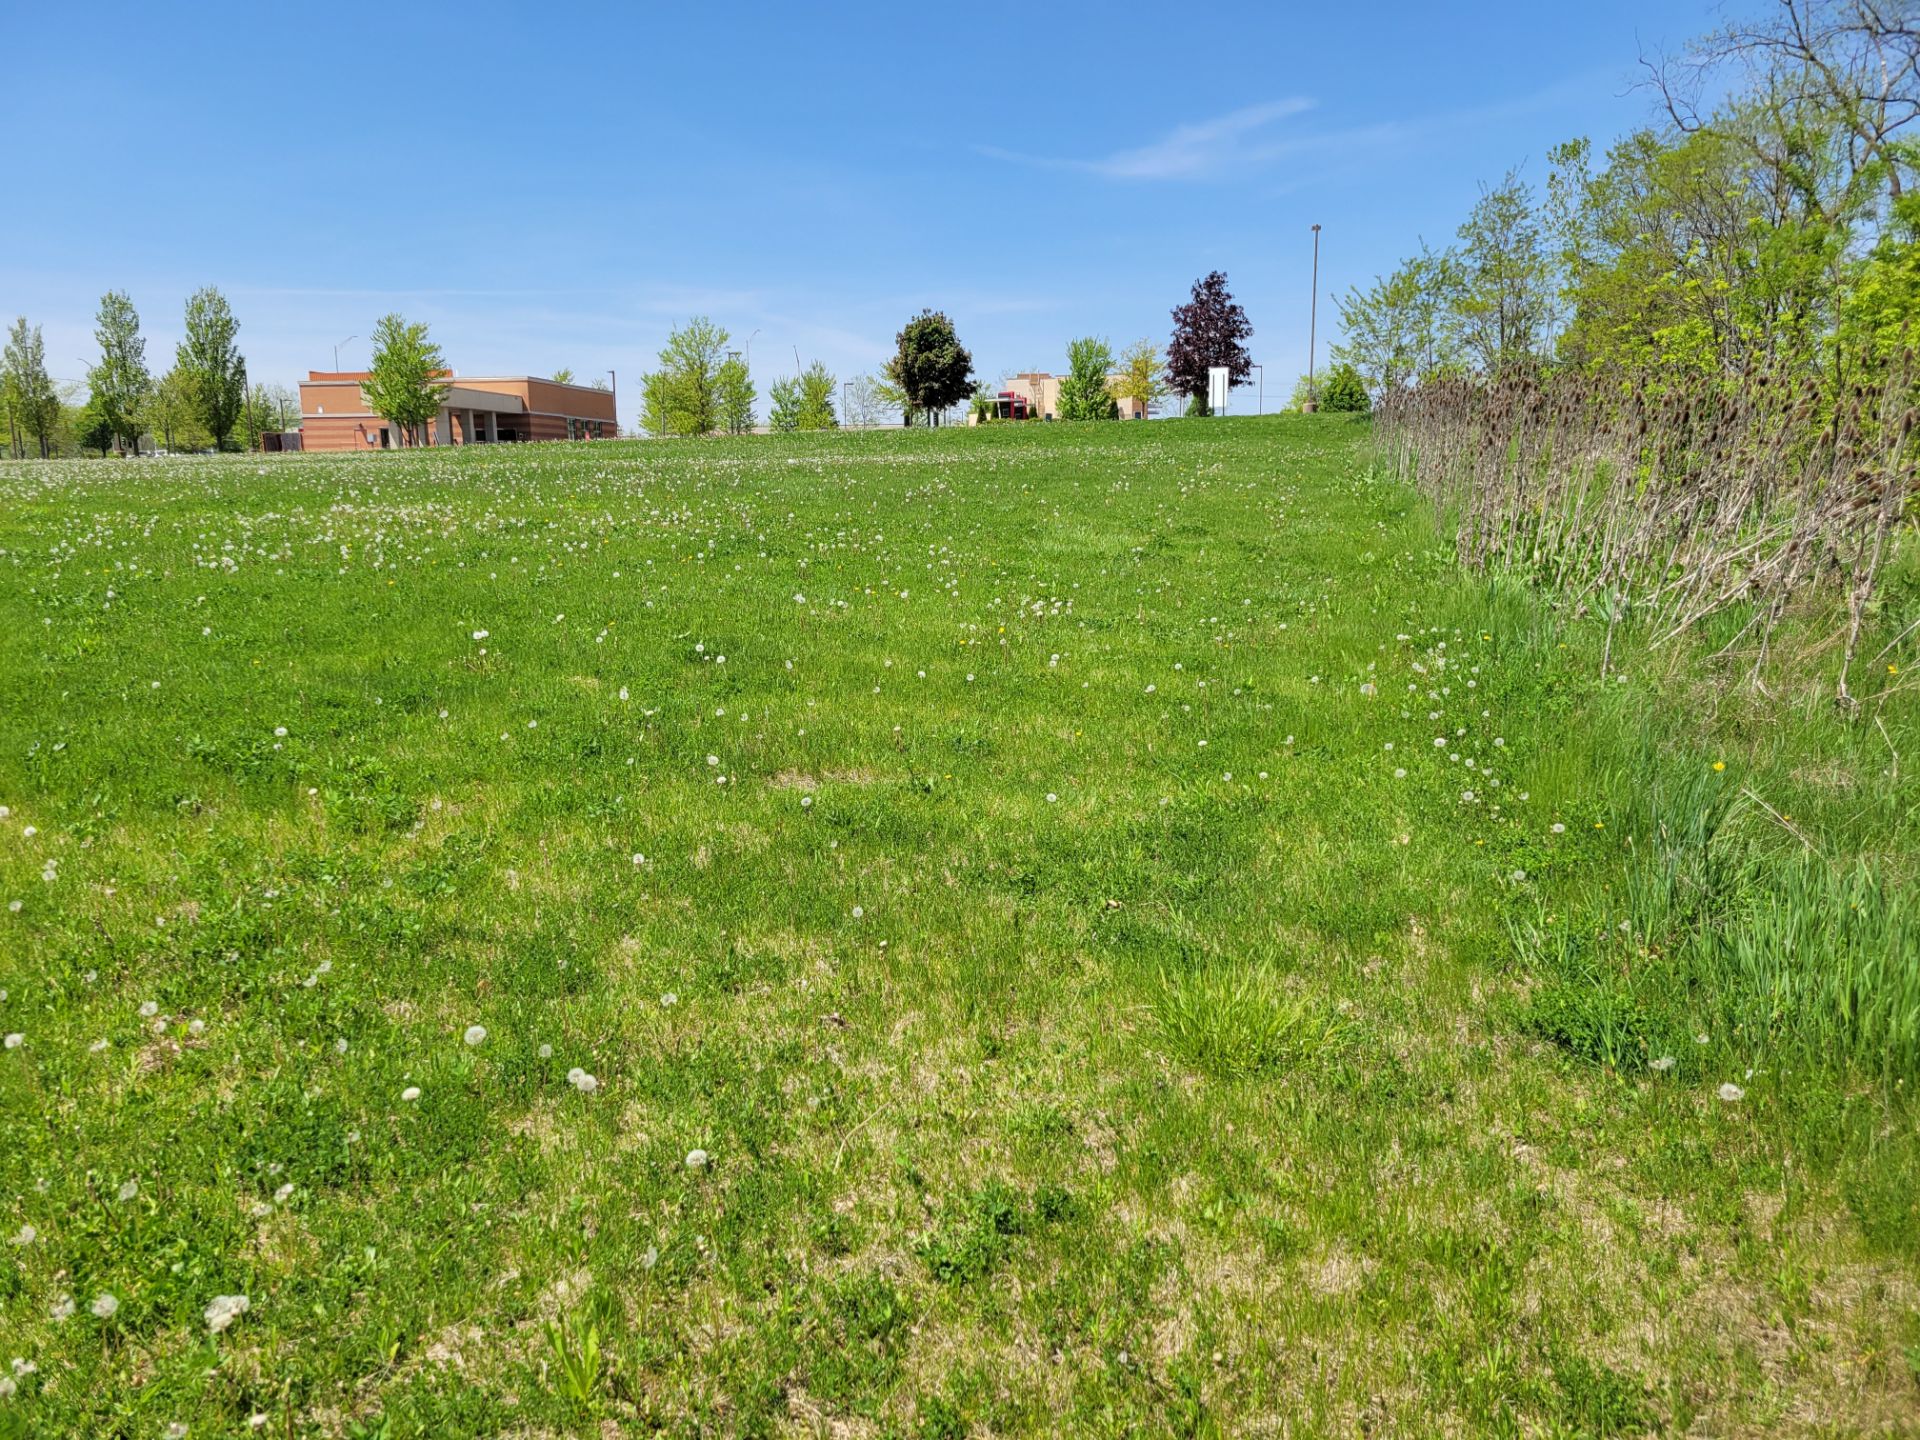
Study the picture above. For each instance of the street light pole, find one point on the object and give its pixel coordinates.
(1260, 406)
(1313, 316)
(336, 352)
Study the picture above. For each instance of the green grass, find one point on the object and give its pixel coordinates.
(1103, 1007)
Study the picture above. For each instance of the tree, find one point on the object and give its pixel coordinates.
(682, 396)
(33, 405)
(1208, 331)
(406, 381)
(563, 376)
(888, 394)
(119, 382)
(784, 416)
(1344, 392)
(1848, 68)
(275, 407)
(1140, 378)
(871, 400)
(1507, 295)
(931, 367)
(816, 398)
(215, 373)
(803, 402)
(171, 413)
(1086, 392)
(1394, 332)
(734, 396)
(94, 429)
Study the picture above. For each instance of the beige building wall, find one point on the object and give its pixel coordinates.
(1042, 391)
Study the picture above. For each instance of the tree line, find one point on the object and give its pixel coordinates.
(203, 401)
(702, 386)
(1677, 384)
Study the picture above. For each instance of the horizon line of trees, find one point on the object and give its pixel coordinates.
(700, 386)
(202, 401)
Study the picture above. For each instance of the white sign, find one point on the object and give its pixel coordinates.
(1219, 377)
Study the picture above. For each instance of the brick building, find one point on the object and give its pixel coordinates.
(334, 414)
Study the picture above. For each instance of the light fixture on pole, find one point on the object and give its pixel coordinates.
(1313, 316)
(336, 351)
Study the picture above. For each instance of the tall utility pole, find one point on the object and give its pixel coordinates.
(1313, 316)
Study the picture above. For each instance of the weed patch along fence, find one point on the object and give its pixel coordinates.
(1674, 505)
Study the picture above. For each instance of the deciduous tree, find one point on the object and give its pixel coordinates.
(931, 367)
(33, 405)
(682, 396)
(1394, 332)
(735, 395)
(406, 381)
(1507, 297)
(210, 362)
(171, 413)
(93, 429)
(872, 400)
(1140, 379)
(118, 382)
(1085, 391)
(1344, 392)
(804, 402)
(1208, 330)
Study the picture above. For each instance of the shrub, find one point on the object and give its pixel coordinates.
(1344, 392)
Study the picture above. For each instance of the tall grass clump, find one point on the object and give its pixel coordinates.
(1668, 501)
(1716, 931)
(1239, 1020)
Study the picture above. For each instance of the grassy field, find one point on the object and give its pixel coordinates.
(1040, 930)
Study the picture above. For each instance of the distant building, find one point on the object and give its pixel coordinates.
(1035, 395)
(334, 414)
(1041, 392)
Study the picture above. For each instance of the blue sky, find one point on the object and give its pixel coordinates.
(557, 184)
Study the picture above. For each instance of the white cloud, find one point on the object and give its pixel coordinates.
(1195, 151)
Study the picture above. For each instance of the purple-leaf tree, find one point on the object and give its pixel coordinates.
(1208, 330)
